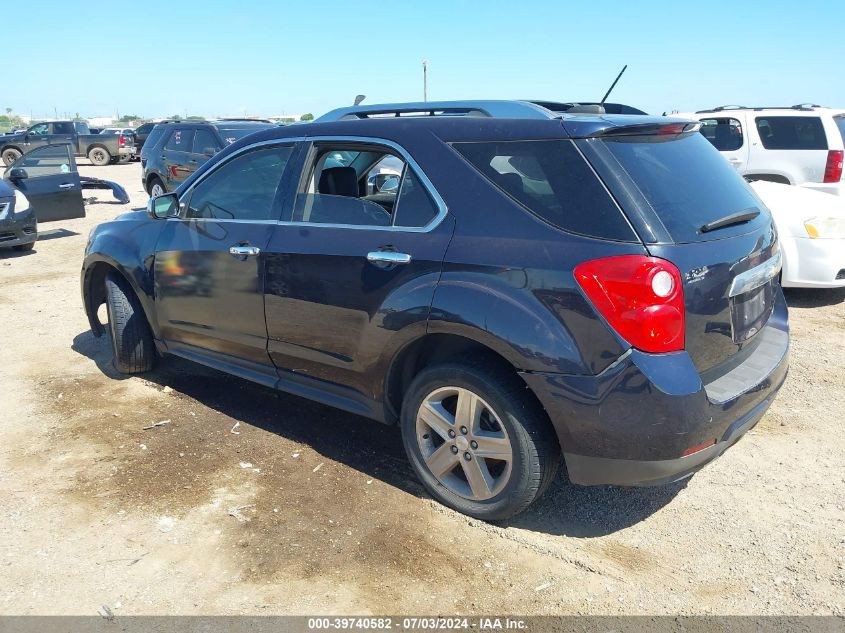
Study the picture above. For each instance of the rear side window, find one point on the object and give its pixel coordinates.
(724, 134)
(553, 181)
(687, 183)
(791, 132)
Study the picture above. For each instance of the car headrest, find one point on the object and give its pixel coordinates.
(339, 181)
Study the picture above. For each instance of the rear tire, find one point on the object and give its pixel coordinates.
(511, 480)
(131, 338)
(99, 156)
(10, 156)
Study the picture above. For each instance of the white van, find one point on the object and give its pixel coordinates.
(800, 145)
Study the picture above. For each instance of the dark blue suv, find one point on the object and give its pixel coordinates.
(509, 284)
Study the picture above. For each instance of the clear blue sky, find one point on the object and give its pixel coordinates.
(215, 58)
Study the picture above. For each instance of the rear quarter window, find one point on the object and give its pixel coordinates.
(840, 123)
(791, 132)
(551, 179)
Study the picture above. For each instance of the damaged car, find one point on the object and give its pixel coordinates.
(44, 185)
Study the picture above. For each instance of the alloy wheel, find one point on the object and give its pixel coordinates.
(464, 443)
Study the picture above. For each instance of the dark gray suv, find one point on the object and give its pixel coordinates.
(169, 157)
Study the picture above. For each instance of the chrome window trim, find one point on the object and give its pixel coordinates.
(757, 276)
(442, 209)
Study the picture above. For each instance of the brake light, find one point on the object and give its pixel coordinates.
(833, 168)
(121, 141)
(642, 298)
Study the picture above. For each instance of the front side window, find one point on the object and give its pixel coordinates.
(180, 141)
(42, 129)
(244, 188)
(364, 185)
(725, 134)
(204, 140)
(49, 160)
(791, 132)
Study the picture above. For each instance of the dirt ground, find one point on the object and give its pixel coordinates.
(249, 501)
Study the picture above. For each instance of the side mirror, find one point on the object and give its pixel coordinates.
(209, 151)
(17, 174)
(165, 206)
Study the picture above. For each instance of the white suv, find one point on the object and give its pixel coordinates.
(802, 145)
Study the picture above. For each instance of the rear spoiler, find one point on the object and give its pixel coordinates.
(648, 129)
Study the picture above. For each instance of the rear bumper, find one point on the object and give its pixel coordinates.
(632, 424)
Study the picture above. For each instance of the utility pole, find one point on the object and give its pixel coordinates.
(425, 79)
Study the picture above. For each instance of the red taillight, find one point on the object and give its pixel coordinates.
(121, 141)
(833, 168)
(641, 297)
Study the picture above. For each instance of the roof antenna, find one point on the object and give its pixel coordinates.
(359, 99)
(613, 85)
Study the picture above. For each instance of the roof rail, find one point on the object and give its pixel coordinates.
(800, 106)
(724, 107)
(491, 108)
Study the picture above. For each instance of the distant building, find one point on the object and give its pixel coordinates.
(101, 121)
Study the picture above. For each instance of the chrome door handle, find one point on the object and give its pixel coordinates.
(67, 185)
(388, 257)
(244, 251)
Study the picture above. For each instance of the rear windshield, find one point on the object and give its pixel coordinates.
(232, 134)
(791, 132)
(553, 181)
(687, 182)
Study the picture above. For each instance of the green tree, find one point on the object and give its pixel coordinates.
(307, 117)
(8, 111)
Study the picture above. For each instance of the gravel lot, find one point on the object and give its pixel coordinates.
(249, 501)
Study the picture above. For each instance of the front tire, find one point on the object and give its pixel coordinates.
(24, 247)
(477, 440)
(10, 156)
(131, 338)
(99, 156)
(156, 187)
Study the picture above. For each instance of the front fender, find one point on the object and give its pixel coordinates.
(129, 250)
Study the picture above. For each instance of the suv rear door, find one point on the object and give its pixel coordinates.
(793, 147)
(350, 270)
(51, 184)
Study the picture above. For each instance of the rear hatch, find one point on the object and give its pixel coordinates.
(690, 207)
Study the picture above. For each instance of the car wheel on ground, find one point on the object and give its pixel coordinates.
(477, 441)
(24, 247)
(99, 156)
(156, 187)
(10, 156)
(132, 341)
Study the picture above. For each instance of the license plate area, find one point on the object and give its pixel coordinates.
(751, 310)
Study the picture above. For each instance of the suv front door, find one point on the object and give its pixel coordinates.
(205, 145)
(175, 155)
(728, 135)
(345, 275)
(51, 182)
(209, 282)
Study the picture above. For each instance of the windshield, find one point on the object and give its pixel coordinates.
(688, 184)
(232, 134)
